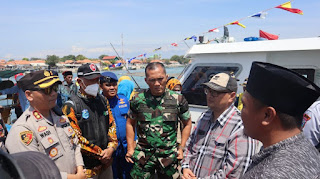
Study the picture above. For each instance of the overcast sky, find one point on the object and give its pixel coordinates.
(36, 28)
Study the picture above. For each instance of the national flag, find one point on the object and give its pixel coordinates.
(174, 44)
(157, 49)
(214, 30)
(141, 55)
(111, 66)
(118, 64)
(287, 6)
(261, 15)
(237, 23)
(192, 37)
(145, 54)
(268, 36)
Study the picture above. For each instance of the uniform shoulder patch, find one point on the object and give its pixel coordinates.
(306, 117)
(26, 137)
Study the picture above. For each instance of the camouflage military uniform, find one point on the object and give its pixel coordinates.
(157, 119)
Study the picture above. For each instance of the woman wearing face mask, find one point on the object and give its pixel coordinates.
(90, 116)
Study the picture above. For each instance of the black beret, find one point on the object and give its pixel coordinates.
(66, 73)
(38, 80)
(281, 88)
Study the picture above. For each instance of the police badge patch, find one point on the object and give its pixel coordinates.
(85, 113)
(26, 137)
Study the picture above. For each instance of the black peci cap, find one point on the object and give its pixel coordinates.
(281, 88)
(88, 71)
(38, 80)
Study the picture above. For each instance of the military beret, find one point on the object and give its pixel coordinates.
(281, 88)
(38, 80)
(66, 73)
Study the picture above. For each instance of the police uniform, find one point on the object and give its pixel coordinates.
(53, 137)
(311, 124)
(157, 119)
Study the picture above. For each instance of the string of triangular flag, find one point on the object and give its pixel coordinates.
(262, 14)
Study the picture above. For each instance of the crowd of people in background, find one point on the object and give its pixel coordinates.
(99, 126)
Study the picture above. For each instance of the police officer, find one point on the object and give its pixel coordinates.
(90, 116)
(119, 105)
(156, 112)
(40, 129)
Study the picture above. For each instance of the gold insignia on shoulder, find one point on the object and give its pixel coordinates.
(53, 152)
(42, 128)
(37, 115)
(26, 137)
(46, 73)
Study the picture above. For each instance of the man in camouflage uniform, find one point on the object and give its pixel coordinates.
(156, 112)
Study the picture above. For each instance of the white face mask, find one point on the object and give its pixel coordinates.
(92, 89)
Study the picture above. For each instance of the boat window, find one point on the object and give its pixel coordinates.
(192, 88)
(308, 73)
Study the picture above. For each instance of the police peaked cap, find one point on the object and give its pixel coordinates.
(281, 88)
(38, 80)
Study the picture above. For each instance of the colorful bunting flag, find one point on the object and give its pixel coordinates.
(237, 23)
(157, 49)
(192, 37)
(129, 61)
(174, 44)
(268, 36)
(287, 6)
(261, 15)
(143, 55)
(115, 65)
(214, 30)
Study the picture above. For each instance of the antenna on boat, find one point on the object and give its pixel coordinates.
(125, 66)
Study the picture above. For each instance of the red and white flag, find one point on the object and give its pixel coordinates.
(174, 44)
(214, 30)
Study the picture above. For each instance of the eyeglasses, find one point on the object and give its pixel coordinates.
(48, 91)
(211, 92)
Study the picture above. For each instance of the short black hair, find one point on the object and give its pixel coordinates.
(287, 121)
(154, 65)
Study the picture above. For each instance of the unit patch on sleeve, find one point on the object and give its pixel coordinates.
(26, 137)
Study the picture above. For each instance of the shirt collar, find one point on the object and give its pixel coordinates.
(222, 119)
